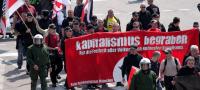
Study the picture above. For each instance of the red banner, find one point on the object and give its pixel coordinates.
(97, 58)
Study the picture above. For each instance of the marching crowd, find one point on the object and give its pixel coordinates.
(154, 75)
(41, 40)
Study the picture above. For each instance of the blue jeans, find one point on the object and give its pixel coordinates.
(158, 85)
(21, 53)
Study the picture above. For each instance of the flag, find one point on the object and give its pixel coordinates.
(133, 71)
(3, 18)
(59, 5)
(12, 6)
(8, 8)
(87, 10)
(3, 26)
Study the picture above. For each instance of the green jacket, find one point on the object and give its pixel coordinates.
(38, 56)
(141, 81)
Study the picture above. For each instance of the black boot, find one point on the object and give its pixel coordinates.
(119, 84)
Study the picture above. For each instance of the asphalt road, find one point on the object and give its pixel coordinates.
(14, 79)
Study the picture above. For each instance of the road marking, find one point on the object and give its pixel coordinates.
(8, 54)
(2, 70)
(167, 10)
(184, 9)
(170, 10)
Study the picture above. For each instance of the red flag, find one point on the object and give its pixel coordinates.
(59, 5)
(3, 25)
(133, 71)
(12, 6)
(9, 7)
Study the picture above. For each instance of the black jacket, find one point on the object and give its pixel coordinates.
(155, 67)
(162, 27)
(26, 38)
(66, 22)
(129, 61)
(32, 26)
(44, 23)
(78, 10)
(62, 45)
(186, 71)
(172, 28)
(196, 59)
(145, 18)
(129, 26)
(153, 9)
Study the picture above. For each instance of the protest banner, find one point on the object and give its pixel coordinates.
(97, 58)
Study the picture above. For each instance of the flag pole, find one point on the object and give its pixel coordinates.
(24, 23)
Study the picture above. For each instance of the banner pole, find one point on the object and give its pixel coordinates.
(24, 23)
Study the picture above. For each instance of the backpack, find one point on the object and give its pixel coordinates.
(165, 63)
